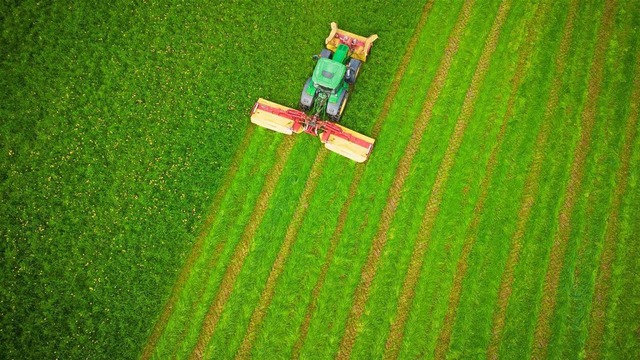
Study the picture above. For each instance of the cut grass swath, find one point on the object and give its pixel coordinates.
(292, 233)
(601, 293)
(196, 250)
(429, 303)
(342, 217)
(368, 272)
(444, 337)
(531, 186)
(622, 329)
(422, 242)
(241, 251)
(558, 250)
(570, 322)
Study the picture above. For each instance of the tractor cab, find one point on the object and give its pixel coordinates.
(328, 73)
(330, 68)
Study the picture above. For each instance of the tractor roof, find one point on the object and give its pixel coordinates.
(328, 73)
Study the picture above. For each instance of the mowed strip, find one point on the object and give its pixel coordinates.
(212, 262)
(285, 249)
(368, 272)
(342, 217)
(242, 250)
(531, 185)
(444, 338)
(392, 346)
(196, 250)
(559, 247)
(601, 293)
(294, 227)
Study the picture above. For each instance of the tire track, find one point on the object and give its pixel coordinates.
(342, 217)
(531, 185)
(405, 302)
(444, 338)
(196, 250)
(368, 271)
(242, 250)
(561, 238)
(601, 293)
(285, 249)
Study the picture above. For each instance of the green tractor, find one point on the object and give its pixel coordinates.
(327, 90)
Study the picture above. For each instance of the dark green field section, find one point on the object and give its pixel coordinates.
(121, 124)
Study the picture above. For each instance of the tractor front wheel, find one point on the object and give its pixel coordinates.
(353, 69)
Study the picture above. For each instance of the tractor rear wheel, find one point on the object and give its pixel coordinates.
(306, 100)
(337, 117)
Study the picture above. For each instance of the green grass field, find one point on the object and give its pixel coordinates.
(143, 216)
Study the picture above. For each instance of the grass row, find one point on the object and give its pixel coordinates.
(353, 237)
(532, 268)
(578, 280)
(279, 330)
(393, 268)
(267, 241)
(486, 263)
(623, 312)
(431, 300)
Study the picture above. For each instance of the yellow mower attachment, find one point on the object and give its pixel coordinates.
(355, 146)
(336, 138)
(276, 117)
(359, 46)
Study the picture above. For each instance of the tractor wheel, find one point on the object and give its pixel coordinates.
(326, 53)
(306, 100)
(337, 117)
(353, 69)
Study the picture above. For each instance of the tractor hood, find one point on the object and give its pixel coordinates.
(328, 73)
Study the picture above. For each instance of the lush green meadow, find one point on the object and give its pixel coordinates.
(141, 215)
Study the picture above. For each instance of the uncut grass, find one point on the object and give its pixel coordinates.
(486, 262)
(429, 305)
(403, 230)
(570, 325)
(116, 131)
(623, 311)
(380, 72)
(531, 269)
(235, 209)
